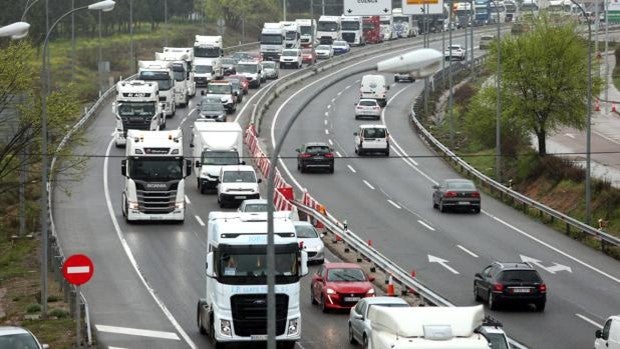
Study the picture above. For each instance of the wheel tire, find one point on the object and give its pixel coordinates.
(442, 208)
(387, 152)
(395, 79)
(302, 168)
(491, 302)
(312, 299)
(331, 169)
(477, 297)
(477, 210)
(540, 307)
(201, 328)
(365, 342)
(323, 307)
(352, 339)
(435, 206)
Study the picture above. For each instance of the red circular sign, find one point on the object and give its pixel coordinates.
(78, 269)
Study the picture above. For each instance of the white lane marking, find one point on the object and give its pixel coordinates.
(325, 122)
(369, 185)
(442, 262)
(78, 270)
(552, 248)
(116, 348)
(247, 103)
(347, 87)
(137, 332)
(426, 225)
(326, 113)
(130, 255)
(337, 154)
(187, 200)
(326, 132)
(113, 133)
(330, 142)
(339, 93)
(589, 320)
(351, 168)
(329, 106)
(181, 123)
(333, 100)
(199, 220)
(467, 251)
(394, 204)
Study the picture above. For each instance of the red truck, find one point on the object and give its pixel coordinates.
(372, 29)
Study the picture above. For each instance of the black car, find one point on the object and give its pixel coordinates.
(510, 282)
(315, 155)
(230, 66)
(456, 193)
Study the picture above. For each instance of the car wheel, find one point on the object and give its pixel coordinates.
(540, 307)
(323, 305)
(476, 295)
(477, 210)
(442, 208)
(435, 204)
(201, 327)
(331, 169)
(312, 299)
(492, 302)
(302, 168)
(351, 338)
(395, 79)
(387, 152)
(365, 342)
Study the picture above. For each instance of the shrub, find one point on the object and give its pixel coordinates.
(33, 308)
(59, 313)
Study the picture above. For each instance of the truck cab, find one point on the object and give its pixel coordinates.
(272, 41)
(328, 29)
(207, 63)
(183, 59)
(292, 36)
(372, 29)
(352, 30)
(161, 73)
(137, 107)
(307, 28)
(387, 27)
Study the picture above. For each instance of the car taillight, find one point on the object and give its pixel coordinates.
(450, 194)
(542, 288)
(375, 108)
(329, 155)
(498, 287)
(306, 155)
(475, 194)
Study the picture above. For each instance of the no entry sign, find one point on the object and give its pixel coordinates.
(78, 269)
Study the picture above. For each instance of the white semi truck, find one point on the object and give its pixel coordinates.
(292, 34)
(272, 39)
(137, 107)
(207, 64)
(160, 72)
(352, 30)
(328, 29)
(154, 169)
(235, 305)
(184, 84)
(307, 28)
(387, 27)
(426, 328)
(215, 144)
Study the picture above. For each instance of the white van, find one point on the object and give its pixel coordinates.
(609, 336)
(375, 87)
(237, 183)
(372, 138)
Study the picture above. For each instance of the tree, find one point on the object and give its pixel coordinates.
(544, 77)
(233, 11)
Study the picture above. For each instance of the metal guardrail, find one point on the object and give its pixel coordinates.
(382, 262)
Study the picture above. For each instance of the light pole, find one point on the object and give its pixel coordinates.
(498, 112)
(589, 121)
(450, 99)
(132, 65)
(165, 22)
(284, 10)
(106, 5)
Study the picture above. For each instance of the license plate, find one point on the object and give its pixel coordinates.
(259, 337)
(463, 202)
(318, 157)
(351, 299)
(521, 290)
(239, 197)
(156, 218)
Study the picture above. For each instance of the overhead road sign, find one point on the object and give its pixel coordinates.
(419, 7)
(367, 7)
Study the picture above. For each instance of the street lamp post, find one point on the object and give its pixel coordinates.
(105, 5)
(132, 64)
(498, 112)
(165, 22)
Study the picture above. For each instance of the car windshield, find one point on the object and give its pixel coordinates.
(255, 207)
(289, 53)
(18, 341)
(163, 79)
(136, 109)
(247, 68)
(454, 47)
(255, 264)
(497, 340)
(328, 26)
(212, 107)
(460, 185)
(269, 65)
(239, 176)
(203, 69)
(520, 275)
(306, 232)
(372, 103)
(220, 158)
(155, 169)
(237, 56)
(218, 89)
(345, 274)
(323, 47)
(374, 133)
(320, 149)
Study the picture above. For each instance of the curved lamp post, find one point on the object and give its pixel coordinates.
(105, 6)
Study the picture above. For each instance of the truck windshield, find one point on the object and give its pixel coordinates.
(481, 10)
(155, 169)
(219, 89)
(369, 25)
(385, 22)
(239, 176)
(247, 68)
(271, 39)
(220, 158)
(305, 30)
(203, 69)
(255, 264)
(328, 26)
(179, 75)
(401, 19)
(350, 25)
(136, 109)
(208, 52)
(163, 79)
(291, 35)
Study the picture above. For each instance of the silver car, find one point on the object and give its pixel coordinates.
(271, 69)
(367, 107)
(359, 325)
(312, 243)
(12, 337)
(253, 205)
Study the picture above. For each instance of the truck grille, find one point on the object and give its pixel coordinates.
(136, 124)
(156, 201)
(249, 312)
(348, 37)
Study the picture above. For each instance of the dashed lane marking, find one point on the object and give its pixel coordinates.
(467, 251)
(369, 185)
(199, 220)
(137, 332)
(351, 168)
(426, 225)
(394, 204)
(589, 320)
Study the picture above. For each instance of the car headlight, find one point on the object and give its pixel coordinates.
(225, 327)
(293, 326)
(371, 292)
(330, 291)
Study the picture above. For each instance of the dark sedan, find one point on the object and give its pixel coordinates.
(456, 193)
(315, 155)
(229, 65)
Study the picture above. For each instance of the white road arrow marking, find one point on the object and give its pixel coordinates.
(442, 262)
(551, 269)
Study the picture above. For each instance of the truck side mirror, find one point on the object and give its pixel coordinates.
(210, 266)
(304, 263)
(259, 180)
(355, 133)
(197, 163)
(202, 93)
(188, 167)
(371, 278)
(124, 168)
(598, 334)
(242, 162)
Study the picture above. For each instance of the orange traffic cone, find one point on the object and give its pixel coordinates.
(597, 106)
(318, 224)
(390, 287)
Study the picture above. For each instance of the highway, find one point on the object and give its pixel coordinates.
(389, 201)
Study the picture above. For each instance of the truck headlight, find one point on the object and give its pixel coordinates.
(225, 327)
(133, 205)
(180, 205)
(293, 326)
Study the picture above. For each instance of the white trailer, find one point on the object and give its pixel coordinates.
(307, 28)
(160, 72)
(426, 328)
(154, 169)
(137, 108)
(272, 38)
(235, 305)
(352, 30)
(328, 29)
(215, 144)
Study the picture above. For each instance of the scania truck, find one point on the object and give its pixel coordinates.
(235, 305)
(137, 108)
(160, 72)
(154, 169)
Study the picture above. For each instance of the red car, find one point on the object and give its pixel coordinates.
(308, 55)
(245, 84)
(340, 286)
